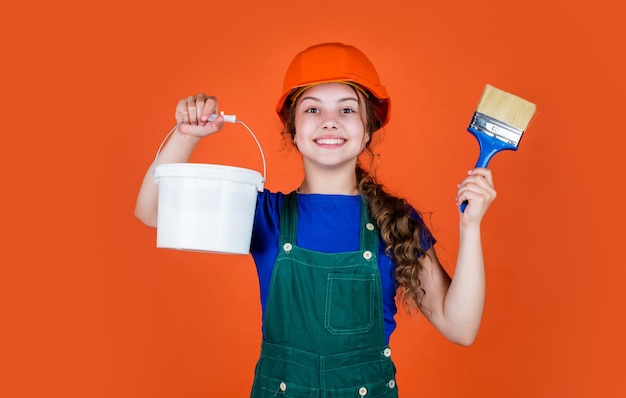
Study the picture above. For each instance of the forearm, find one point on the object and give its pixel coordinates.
(465, 297)
(456, 304)
(178, 149)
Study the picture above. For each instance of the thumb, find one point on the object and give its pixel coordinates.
(202, 130)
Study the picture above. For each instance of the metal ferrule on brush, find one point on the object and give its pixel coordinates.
(496, 128)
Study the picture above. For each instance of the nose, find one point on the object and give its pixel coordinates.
(330, 122)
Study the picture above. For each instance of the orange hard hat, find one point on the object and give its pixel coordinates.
(334, 62)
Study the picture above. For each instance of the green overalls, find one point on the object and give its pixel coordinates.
(324, 330)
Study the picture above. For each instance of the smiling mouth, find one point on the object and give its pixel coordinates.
(330, 141)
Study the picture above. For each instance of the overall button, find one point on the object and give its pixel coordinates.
(392, 383)
(287, 247)
(369, 226)
(362, 391)
(367, 255)
(387, 352)
(282, 386)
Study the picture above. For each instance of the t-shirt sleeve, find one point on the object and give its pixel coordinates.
(266, 223)
(265, 237)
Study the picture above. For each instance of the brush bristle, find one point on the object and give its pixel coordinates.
(506, 107)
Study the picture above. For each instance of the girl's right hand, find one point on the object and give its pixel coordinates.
(192, 115)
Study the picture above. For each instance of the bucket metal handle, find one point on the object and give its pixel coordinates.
(234, 121)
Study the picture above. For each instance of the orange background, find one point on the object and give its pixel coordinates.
(91, 308)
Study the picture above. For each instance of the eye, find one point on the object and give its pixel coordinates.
(347, 110)
(311, 110)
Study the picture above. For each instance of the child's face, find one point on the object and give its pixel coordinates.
(330, 125)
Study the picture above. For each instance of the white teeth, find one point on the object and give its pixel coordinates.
(330, 141)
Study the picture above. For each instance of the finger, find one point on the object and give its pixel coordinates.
(193, 129)
(185, 110)
(481, 178)
(482, 172)
(210, 107)
(182, 114)
(192, 109)
(205, 106)
(197, 110)
(198, 130)
(475, 193)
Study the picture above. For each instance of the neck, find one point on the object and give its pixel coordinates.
(330, 183)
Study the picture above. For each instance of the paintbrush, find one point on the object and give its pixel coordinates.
(498, 123)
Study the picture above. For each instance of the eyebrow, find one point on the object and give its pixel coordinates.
(319, 100)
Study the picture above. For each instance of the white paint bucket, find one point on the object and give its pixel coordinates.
(207, 207)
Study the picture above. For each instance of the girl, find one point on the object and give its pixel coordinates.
(332, 255)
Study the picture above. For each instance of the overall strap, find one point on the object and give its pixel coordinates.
(369, 232)
(289, 218)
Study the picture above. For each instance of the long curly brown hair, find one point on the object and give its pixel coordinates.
(399, 230)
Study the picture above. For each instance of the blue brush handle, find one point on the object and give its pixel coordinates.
(489, 146)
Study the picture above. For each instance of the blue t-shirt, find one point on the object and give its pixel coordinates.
(336, 219)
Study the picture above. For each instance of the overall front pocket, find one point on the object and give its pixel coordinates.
(349, 303)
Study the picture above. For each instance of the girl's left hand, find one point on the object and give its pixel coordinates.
(477, 188)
